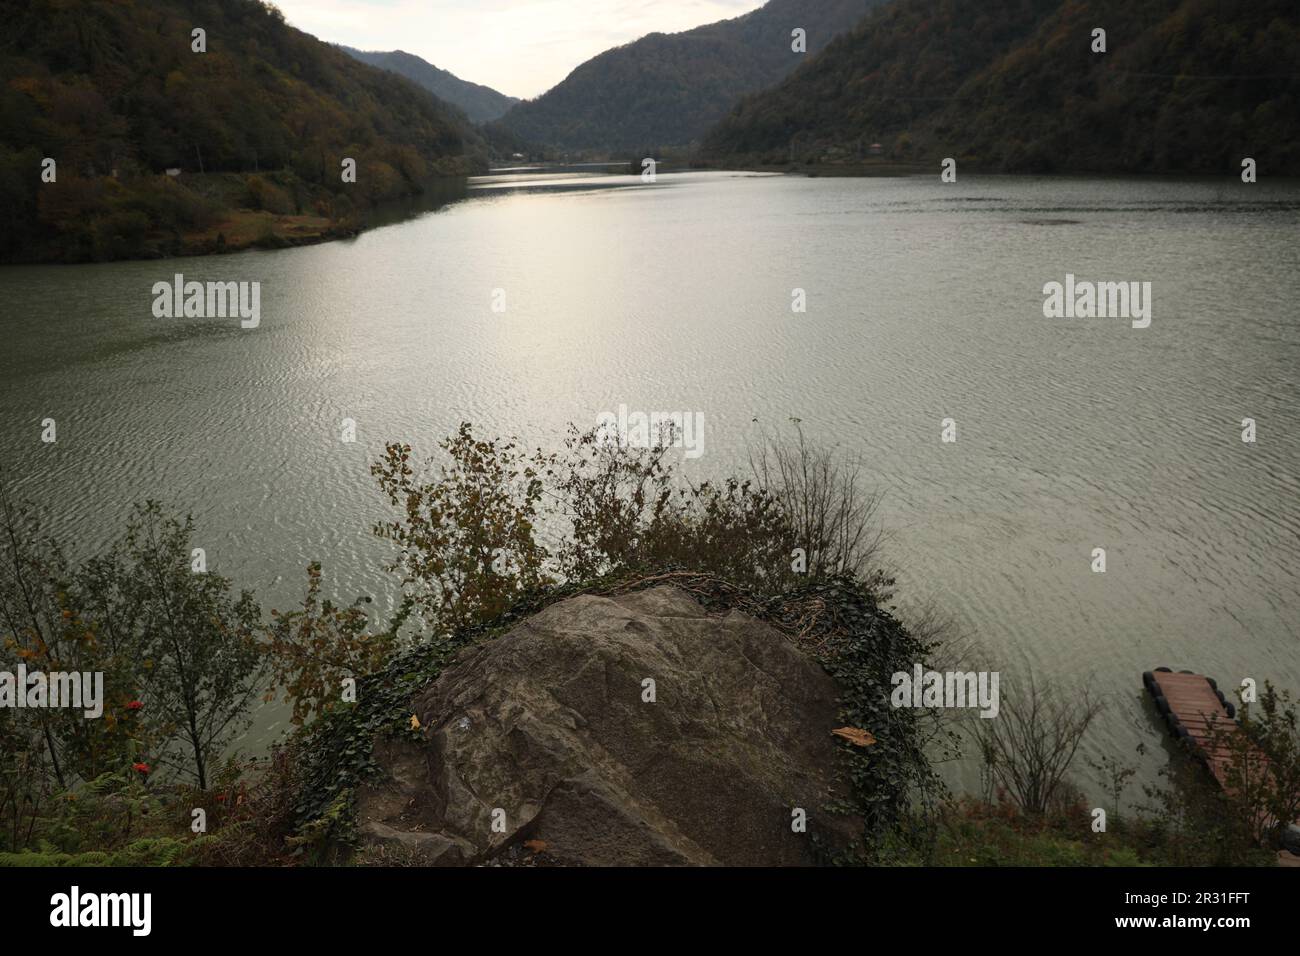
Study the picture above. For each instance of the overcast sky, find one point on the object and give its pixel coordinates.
(520, 47)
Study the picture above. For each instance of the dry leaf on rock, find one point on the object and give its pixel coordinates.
(855, 736)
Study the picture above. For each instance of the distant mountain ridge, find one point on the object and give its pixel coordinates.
(1015, 85)
(669, 89)
(480, 103)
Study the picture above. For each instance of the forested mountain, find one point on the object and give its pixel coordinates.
(116, 94)
(668, 89)
(480, 103)
(1184, 85)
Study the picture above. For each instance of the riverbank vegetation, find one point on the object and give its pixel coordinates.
(485, 535)
(253, 129)
(1188, 86)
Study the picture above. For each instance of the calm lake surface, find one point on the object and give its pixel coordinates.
(924, 303)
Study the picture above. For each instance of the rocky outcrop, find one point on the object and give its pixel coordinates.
(631, 730)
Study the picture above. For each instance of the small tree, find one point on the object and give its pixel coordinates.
(1031, 743)
(199, 642)
(175, 649)
(31, 569)
(822, 495)
(1114, 775)
(46, 623)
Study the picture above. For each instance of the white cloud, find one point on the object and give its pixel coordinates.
(520, 47)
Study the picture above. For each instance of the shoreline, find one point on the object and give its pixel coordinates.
(239, 229)
(242, 229)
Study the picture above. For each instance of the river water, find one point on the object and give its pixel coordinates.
(924, 303)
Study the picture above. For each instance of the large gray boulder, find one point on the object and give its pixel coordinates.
(547, 733)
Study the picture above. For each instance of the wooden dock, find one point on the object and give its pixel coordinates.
(1195, 710)
(1191, 705)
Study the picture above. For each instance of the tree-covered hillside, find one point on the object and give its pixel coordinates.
(668, 89)
(1184, 85)
(115, 93)
(480, 103)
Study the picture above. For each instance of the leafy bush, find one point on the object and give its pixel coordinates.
(313, 650)
(1187, 820)
(1261, 763)
(467, 543)
(470, 536)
